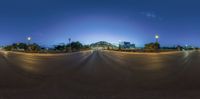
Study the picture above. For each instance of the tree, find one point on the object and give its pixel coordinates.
(16, 46)
(20, 46)
(156, 45)
(179, 48)
(60, 47)
(152, 46)
(8, 48)
(86, 46)
(75, 45)
(23, 47)
(120, 47)
(34, 47)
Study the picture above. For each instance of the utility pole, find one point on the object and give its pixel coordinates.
(119, 48)
(70, 46)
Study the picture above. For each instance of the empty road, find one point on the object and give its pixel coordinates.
(100, 75)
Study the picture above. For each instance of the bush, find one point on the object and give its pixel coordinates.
(152, 46)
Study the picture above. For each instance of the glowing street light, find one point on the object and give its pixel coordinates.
(157, 37)
(29, 39)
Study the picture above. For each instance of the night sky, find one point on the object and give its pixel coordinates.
(51, 22)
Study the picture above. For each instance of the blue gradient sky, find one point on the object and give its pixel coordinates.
(51, 22)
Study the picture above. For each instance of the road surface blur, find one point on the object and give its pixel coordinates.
(100, 75)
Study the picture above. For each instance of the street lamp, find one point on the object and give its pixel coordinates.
(157, 37)
(119, 45)
(29, 39)
(70, 44)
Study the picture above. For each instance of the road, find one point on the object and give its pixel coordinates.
(100, 75)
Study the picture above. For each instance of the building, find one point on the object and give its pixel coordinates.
(126, 45)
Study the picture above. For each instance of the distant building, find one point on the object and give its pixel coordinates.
(101, 45)
(126, 45)
(188, 47)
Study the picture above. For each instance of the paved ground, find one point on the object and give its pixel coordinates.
(100, 75)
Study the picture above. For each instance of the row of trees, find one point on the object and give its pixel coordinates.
(152, 46)
(23, 47)
(73, 46)
(156, 46)
(77, 46)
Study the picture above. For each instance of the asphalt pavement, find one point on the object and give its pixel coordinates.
(100, 75)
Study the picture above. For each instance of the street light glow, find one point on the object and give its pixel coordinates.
(156, 36)
(29, 38)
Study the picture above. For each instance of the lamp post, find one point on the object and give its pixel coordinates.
(70, 46)
(29, 39)
(119, 45)
(157, 37)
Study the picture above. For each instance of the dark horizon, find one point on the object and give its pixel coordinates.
(51, 22)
